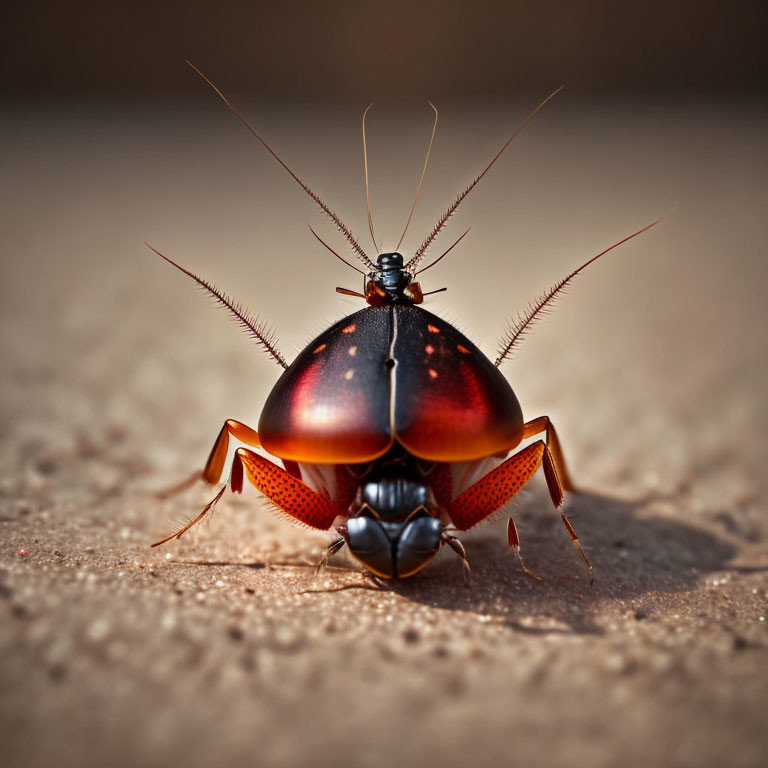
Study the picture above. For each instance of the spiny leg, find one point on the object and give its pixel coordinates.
(496, 488)
(557, 476)
(455, 544)
(208, 507)
(287, 492)
(212, 472)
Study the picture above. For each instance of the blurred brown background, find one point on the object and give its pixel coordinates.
(225, 648)
(355, 51)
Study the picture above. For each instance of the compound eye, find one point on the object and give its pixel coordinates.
(370, 545)
(419, 543)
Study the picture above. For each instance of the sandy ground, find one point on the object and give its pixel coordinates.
(226, 648)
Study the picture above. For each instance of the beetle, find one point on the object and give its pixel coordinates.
(393, 429)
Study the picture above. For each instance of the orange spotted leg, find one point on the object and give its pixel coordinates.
(215, 464)
(288, 493)
(497, 487)
(285, 490)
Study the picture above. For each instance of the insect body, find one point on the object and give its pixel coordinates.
(392, 428)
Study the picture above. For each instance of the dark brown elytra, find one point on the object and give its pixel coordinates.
(392, 428)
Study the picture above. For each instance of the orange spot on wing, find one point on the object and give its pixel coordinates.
(463, 349)
(352, 351)
(349, 374)
(433, 329)
(349, 329)
(432, 373)
(319, 349)
(429, 349)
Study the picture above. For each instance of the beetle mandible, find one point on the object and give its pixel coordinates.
(392, 427)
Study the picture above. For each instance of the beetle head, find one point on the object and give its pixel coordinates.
(394, 549)
(391, 283)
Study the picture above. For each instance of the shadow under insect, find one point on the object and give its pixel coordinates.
(634, 550)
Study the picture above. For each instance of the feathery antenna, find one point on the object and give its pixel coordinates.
(365, 163)
(336, 220)
(542, 304)
(451, 210)
(424, 170)
(254, 327)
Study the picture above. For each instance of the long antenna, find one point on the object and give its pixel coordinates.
(365, 163)
(424, 170)
(336, 220)
(444, 253)
(334, 252)
(541, 305)
(447, 215)
(255, 328)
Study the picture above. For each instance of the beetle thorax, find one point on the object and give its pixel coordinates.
(394, 498)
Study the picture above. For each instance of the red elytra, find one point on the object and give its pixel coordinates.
(399, 386)
(393, 428)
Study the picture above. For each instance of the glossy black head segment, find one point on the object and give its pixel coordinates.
(394, 550)
(390, 261)
(391, 277)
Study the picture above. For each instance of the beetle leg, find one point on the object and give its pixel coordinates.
(206, 509)
(544, 424)
(215, 464)
(455, 544)
(287, 492)
(557, 476)
(514, 545)
(496, 488)
(332, 549)
(575, 540)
